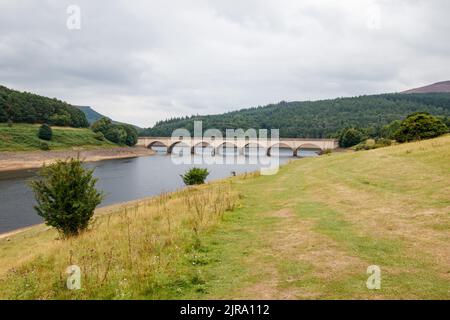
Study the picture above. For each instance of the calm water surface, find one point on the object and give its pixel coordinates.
(121, 180)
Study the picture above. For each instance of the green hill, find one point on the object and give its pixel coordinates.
(317, 119)
(25, 107)
(309, 232)
(91, 114)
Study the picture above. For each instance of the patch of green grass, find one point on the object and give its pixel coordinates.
(23, 137)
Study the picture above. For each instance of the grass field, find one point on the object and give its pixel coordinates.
(23, 137)
(309, 232)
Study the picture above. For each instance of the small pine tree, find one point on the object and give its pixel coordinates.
(195, 176)
(45, 132)
(66, 196)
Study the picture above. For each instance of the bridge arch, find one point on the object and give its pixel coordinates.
(202, 144)
(279, 145)
(226, 144)
(157, 144)
(256, 145)
(178, 143)
(308, 147)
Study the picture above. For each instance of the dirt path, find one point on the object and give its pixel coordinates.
(35, 159)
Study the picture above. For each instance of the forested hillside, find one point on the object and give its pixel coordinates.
(26, 107)
(317, 119)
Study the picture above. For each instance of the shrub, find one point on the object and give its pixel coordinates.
(371, 144)
(44, 146)
(195, 176)
(350, 137)
(99, 136)
(418, 126)
(116, 134)
(60, 120)
(382, 142)
(45, 132)
(10, 123)
(132, 135)
(388, 131)
(66, 196)
(102, 125)
(445, 120)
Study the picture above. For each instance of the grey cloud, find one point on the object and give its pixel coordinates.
(143, 61)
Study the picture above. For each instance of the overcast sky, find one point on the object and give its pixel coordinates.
(144, 61)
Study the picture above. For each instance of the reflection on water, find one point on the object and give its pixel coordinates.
(248, 151)
(121, 180)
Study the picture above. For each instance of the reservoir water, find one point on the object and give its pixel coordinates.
(121, 180)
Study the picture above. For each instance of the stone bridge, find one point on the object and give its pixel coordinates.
(295, 144)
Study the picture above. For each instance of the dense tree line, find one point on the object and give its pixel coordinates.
(318, 119)
(416, 126)
(26, 107)
(117, 133)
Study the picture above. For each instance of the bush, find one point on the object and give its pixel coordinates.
(66, 196)
(371, 144)
(132, 135)
(102, 125)
(350, 137)
(99, 136)
(116, 134)
(418, 126)
(388, 131)
(10, 123)
(195, 176)
(382, 142)
(60, 120)
(45, 132)
(44, 146)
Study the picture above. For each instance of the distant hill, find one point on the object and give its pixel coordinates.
(25, 107)
(316, 119)
(443, 86)
(93, 116)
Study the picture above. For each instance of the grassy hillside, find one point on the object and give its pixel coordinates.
(308, 232)
(23, 137)
(317, 119)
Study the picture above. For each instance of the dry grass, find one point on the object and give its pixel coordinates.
(122, 255)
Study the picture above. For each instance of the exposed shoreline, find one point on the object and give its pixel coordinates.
(98, 211)
(19, 160)
(109, 209)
